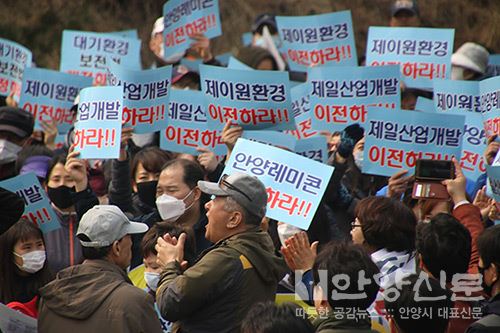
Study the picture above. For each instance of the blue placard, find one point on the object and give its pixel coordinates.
(295, 184)
(234, 63)
(396, 139)
(493, 184)
(246, 38)
(425, 105)
(494, 60)
(49, 94)
(37, 207)
(90, 53)
(14, 59)
(187, 125)
(314, 148)
(183, 18)
(252, 99)
(273, 138)
(98, 124)
(316, 40)
(224, 58)
(145, 96)
(453, 96)
(340, 96)
(489, 90)
(301, 110)
(192, 65)
(424, 54)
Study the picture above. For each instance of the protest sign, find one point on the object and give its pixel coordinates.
(37, 207)
(314, 148)
(192, 64)
(246, 38)
(145, 96)
(252, 99)
(90, 53)
(294, 193)
(340, 96)
(129, 33)
(273, 138)
(12, 321)
(223, 58)
(396, 139)
(234, 63)
(462, 98)
(325, 39)
(489, 91)
(187, 125)
(14, 59)
(301, 108)
(50, 95)
(425, 105)
(183, 18)
(424, 54)
(98, 124)
(494, 60)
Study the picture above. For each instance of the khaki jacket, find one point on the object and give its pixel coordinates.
(215, 294)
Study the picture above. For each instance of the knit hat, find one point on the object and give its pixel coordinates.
(253, 55)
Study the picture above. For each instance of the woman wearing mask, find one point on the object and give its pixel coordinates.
(24, 266)
(133, 185)
(68, 191)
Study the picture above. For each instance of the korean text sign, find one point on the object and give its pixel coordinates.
(325, 39)
(489, 90)
(294, 193)
(37, 207)
(273, 138)
(90, 53)
(396, 139)
(49, 94)
(314, 148)
(301, 110)
(14, 59)
(462, 98)
(424, 54)
(98, 125)
(187, 125)
(252, 99)
(340, 96)
(145, 96)
(183, 18)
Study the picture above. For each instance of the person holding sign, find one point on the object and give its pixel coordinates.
(240, 270)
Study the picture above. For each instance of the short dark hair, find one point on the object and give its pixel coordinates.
(387, 223)
(436, 321)
(445, 245)
(159, 230)
(56, 159)
(152, 159)
(350, 260)
(193, 172)
(93, 253)
(272, 318)
(488, 245)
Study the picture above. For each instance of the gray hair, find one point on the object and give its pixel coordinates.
(230, 205)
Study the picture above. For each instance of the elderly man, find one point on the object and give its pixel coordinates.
(240, 270)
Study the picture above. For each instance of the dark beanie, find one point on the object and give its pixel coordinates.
(16, 121)
(253, 55)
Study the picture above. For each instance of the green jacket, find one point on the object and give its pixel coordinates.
(332, 323)
(215, 293)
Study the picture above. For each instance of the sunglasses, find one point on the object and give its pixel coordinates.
(223, 183)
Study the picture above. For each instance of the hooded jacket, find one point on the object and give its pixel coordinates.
(215, 294)
(96, 296)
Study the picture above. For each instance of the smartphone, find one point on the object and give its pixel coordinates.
(434, 170)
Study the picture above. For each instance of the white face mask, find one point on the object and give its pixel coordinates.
(171, 208)
(152, 280)
(358, 159)
(32, 261)
(8, 151)
(286, 231)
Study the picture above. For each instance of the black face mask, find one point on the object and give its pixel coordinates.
(147, 192)
(61, 196)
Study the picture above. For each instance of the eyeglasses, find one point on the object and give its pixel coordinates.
(354, 224)
(224, 182)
